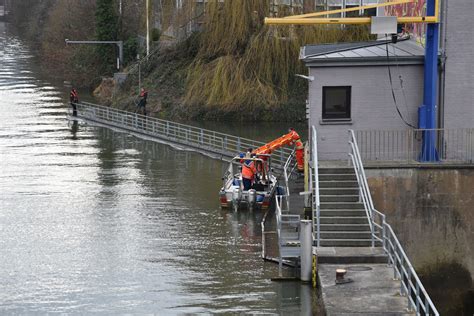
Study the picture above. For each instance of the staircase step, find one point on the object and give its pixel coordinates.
(336, 170)
(345, 235)
(338, 184)
(348, 243)
(338, 191)
(345, 227)
(341, 205)
(337, 177)
(339, 198)
(343, 212)
(344, 220)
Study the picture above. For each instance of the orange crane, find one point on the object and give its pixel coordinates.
(289, 139)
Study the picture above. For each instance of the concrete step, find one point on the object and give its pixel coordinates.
(351, 255)
(344, 220)
(345, 235)
(338, 191)
(348, 243)
(345, 227)
(336, 170)
(337, 177)
(339, 198)
(341, 205)
(343, 212)
(338, 184)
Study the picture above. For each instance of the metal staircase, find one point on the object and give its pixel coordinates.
(343, 219)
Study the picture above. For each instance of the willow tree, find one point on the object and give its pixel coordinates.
(244, 65)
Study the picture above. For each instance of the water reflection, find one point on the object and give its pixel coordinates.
(95, 221)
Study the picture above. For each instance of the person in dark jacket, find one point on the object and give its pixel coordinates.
(142, 103)
(74, 99)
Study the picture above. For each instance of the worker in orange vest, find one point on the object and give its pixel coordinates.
(248, 173)
(296, 140)
(74, 99)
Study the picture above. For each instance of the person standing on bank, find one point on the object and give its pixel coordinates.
(142, 102)
(74, 99)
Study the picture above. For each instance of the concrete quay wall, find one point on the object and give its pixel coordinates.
(432, 213)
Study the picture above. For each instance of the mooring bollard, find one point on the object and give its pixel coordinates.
(306, 250)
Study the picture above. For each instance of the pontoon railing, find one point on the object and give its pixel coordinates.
(197, 138)
(314, 181)
(410, 284)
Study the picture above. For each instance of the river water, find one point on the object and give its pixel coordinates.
(95, 221)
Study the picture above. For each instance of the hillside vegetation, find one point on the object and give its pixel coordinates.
(235, 67)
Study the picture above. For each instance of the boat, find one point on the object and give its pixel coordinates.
(260, 195)
(232, 194)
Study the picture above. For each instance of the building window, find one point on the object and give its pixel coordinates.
(336, 103)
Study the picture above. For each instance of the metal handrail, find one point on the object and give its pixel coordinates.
(197, 138)
(453, 145)
(410, 284)
(314, 181)
(287, 174)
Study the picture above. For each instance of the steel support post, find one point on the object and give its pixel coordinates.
(428, 111)
(306, 242)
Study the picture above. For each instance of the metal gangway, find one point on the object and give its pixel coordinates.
(187, 137)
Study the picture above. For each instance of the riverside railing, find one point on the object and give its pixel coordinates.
(224, 145)
(314, 180)
(453, 145)
(410, 284)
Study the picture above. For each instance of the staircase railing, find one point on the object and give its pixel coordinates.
(288, 169)
(364, 191)
(410, 284)
(287, 230)
(314, 181)
(199, 139)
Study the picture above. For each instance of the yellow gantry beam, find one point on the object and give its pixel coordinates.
(306, 19)
(365, 7)
(363, 20)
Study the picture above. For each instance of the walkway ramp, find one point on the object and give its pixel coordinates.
(181, 136)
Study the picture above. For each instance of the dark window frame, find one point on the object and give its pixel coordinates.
(347, 115)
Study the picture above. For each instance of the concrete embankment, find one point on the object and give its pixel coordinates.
(431, 211)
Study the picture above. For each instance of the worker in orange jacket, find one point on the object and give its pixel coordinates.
(248, 173)
(296, 140)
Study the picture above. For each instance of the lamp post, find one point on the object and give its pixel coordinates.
(118, 43)
(139, 74)
(147, 27)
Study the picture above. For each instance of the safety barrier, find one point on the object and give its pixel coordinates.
(453, 145)
(223, 145)
(410, 284)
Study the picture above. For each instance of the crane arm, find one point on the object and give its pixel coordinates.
(291, 138)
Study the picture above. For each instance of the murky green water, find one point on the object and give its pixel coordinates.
(97, 221)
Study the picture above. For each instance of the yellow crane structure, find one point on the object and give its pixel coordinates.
(427, 118)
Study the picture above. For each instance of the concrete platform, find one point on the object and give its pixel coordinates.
(373, 292)
(350, 255)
